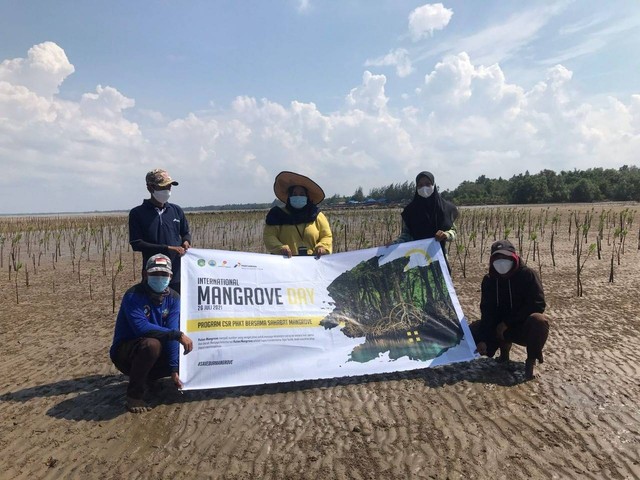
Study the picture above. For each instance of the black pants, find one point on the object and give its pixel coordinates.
(142, 360)
(532, 334)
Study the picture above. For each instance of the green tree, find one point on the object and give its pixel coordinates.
(358, 196)
(528, 189)
(584, 191)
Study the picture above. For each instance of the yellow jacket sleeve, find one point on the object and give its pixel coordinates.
(325, 237)
(271, 235)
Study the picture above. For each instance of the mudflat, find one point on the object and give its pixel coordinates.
(63, 413)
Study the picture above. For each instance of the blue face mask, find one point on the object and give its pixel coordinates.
(158, 284)
(298, 201)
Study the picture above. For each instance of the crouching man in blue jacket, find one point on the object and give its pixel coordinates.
(147, 334)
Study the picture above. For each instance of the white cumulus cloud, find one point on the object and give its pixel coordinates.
(467, 120)
(42, 72)
(107, 102)
(398, 58)
(370, 95)
(427, 18)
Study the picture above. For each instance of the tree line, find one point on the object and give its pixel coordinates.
(547, 186)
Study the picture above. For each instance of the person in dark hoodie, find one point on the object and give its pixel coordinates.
(428, 215)
(512, 308)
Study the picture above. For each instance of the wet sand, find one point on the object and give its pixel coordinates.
(63, 415)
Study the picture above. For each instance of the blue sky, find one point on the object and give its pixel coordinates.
(225, 94)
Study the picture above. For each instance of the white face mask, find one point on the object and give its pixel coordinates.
(425, 192)
(161, 196)
(503, 266)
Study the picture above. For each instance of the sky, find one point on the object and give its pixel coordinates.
(225, 94)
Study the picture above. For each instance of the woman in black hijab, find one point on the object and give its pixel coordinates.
(428, 215)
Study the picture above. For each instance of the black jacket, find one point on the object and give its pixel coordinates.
(510, 300)
(151, 233)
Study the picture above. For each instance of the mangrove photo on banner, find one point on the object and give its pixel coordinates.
(399, 310)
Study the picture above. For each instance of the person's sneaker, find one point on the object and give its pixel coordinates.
(528, 369)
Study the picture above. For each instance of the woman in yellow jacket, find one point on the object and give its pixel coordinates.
(299, 227)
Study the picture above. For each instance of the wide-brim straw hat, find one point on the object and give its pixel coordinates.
(286, 180)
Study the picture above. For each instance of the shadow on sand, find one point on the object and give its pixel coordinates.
(101, 397)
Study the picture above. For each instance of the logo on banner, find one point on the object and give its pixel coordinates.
(244, 266)
(201, 262)
(212, 263)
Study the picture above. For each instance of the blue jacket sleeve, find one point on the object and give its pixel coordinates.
(173, 347)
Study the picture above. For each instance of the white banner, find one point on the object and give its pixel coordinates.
(257, 318)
